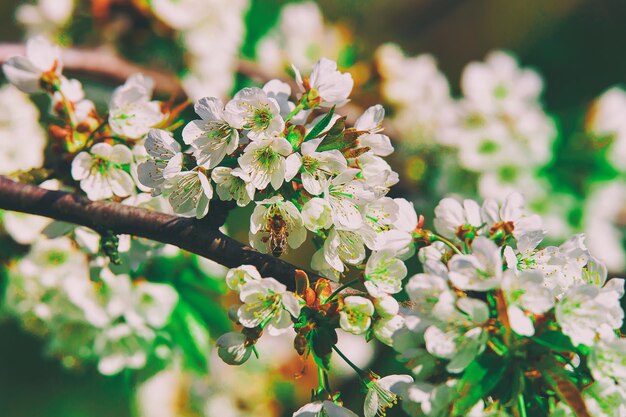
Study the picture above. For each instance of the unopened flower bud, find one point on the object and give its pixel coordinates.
(233, 348)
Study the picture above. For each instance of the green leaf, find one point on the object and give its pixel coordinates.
(567, 391)
(321, 125)
(516, 384)
(208, 309)
(190, 334)
(347, 56)
(335, 137)
(479, 379)
(555, 340)
(321, 340)
(295, 135)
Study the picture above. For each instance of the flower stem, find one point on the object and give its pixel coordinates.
(295, 111)
(66, 107)
(447, 242)
(343, 287)
(521, 405)
(256, 352)
(503, 315)
(323, 384)
(362, 374)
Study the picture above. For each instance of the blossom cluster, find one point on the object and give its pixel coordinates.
(491, 304)
(305, 173)
(490, 294)
(116, 323)
(77, 285)
(315, 314)
(212, 32)
(498, 126)
(498, 131)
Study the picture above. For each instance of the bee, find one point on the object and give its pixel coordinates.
(277, 238)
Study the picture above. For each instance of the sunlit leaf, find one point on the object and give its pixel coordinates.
(321, 125)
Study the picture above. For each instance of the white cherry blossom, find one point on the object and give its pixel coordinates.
(384, 274)
(256, 112)
(525, 293)
(41, 63)
(165, 160)
(511, 215)
(233, 184)
(377, 173)
(123, 346)
(45, 17)
(480, 271)
(237, 277)
(371, 123)
(264, 161)
(386, 328)
(355, 315)
(316, 167)
(343, 246)
(233, 349)
(499, 83)
(189, 193)
(317, 214)
(215, 134)
(131, 112)
(589, 311)
(323, 409)
(326, 85)
(267, 303)
(383, 393)
(100, 171)
(19, 118)
(345, 194)
(453, 218)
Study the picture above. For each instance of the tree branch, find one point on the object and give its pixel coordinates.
(103, 63)
(199, 237)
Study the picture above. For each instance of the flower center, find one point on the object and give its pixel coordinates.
(56, 257)
(309, 164)
(100, 165)
(220, 132)
(266, 156)
(261, 118)
(386, 398)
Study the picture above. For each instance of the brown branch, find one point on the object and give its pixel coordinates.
(103, 63)
(196, 236)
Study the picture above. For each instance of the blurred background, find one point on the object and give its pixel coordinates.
(576, 46)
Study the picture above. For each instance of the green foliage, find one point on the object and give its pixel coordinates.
(295, 136)
(320, 339)
(320, 126)
(191, 336)
(479, 379)
(260, 19)
(555, 340)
